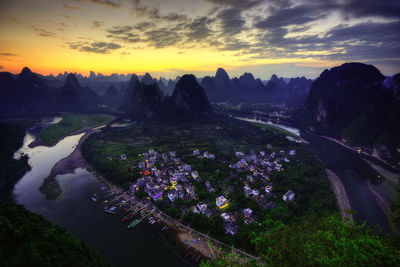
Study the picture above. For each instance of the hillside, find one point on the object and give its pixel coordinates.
(350, 102)
(28, 239)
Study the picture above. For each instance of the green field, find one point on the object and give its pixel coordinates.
(71, 123)
(223, 137)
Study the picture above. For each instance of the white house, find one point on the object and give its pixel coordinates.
(289, 196)
(221, 202)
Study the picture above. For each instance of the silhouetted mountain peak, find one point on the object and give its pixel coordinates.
(221, 74)
(190, 97)
(26, 71)
(147, 79)
(274, 77)
(72, 81)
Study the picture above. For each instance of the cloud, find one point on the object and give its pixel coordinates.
(65, 16)
(154, 12)
(15, 20)
(8, 55)
(231, 20)
(298, 15)
(95, 47)
(1, 67)
(97, 24)
(72, 7)
(107, 3)
(242, 4)
(44, 33)
(198, 29)
(163, 37)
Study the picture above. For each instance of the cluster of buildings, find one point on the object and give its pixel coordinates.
(166, 177)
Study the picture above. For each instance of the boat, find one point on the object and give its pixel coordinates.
(133, 224)
(127, 217)
(109, 211)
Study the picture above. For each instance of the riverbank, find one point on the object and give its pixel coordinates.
(50, 186)
(373, 155)
(341, 195)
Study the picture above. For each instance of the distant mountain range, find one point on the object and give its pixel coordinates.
(248, 89)
(356, 103)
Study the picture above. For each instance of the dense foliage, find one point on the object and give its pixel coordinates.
(304, 174)
(69, 124)
(327, 241)
(28, 239)
(11, 139)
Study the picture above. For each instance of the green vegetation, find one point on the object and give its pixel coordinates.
(223, 137)
(327, 241)
(69, 124)
(28, 239)
(11, 138)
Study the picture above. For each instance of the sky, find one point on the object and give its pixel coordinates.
(172, 37)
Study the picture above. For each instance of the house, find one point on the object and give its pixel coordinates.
(225, 217)
(200, 208)
(268, 189)
(247, 190)
(221, 202)
(196, 152)
(289, 196)
(262, 153)
(255, 192)
(178, 187)
(269, 146)
(123, 156)
(231, 228)
(248, 213)
(187, 167)
(172, 154)
(239, 154)
(194, 174)
(292, 152)
(172, 196)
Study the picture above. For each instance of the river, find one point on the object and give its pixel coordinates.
(82, 217)
(353, 172)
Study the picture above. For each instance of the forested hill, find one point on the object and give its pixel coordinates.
(28, 239)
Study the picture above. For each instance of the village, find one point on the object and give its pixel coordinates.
(167, 179)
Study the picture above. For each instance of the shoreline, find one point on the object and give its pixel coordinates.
(341, 195)
(362, 153)
(50, 186)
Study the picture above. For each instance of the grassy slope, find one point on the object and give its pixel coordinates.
(28, 239)
(69, 124)
(11, 138)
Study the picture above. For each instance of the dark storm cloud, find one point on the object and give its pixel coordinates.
(243, 4)
(231, 20)
(107, 3)
(95, 47)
